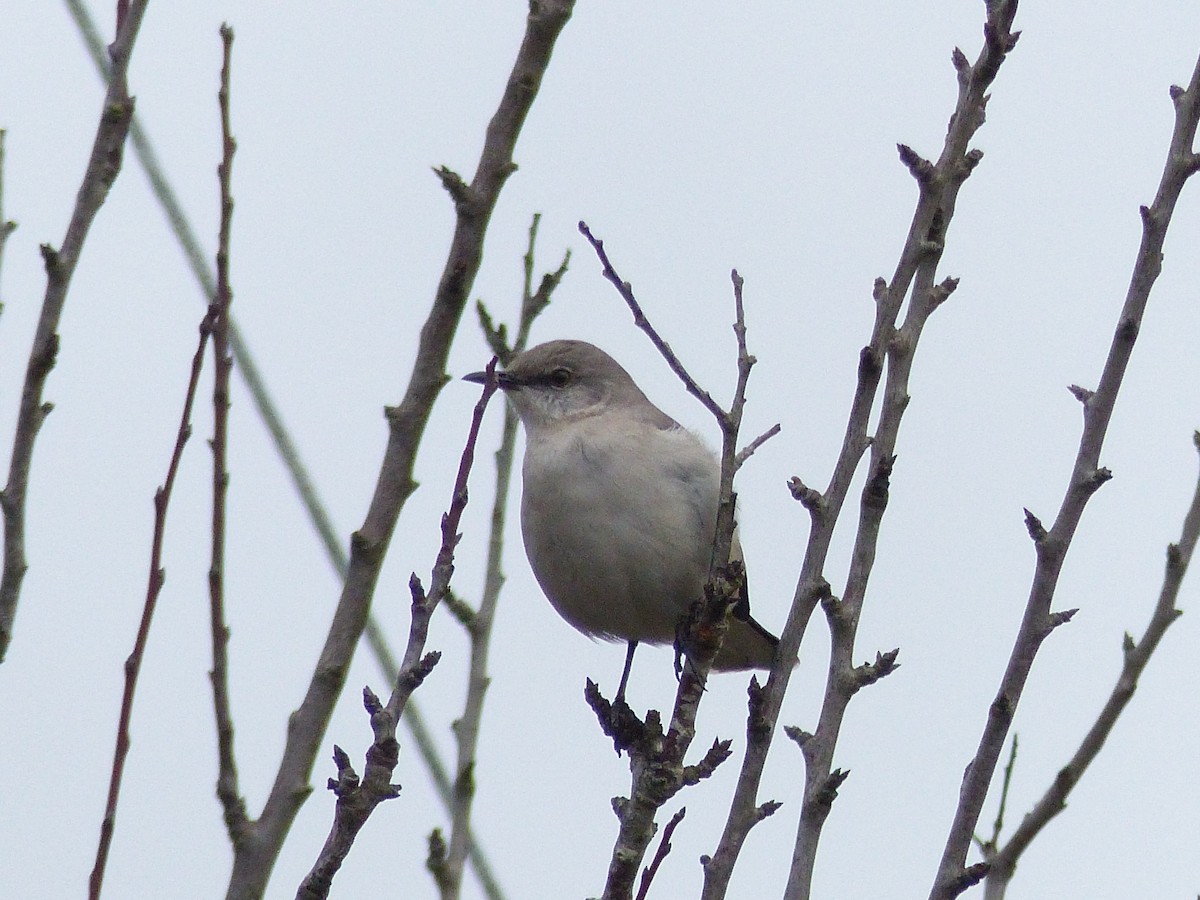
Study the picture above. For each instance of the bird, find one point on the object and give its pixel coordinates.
(618, 504)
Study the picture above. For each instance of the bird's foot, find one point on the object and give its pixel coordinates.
(617, 719)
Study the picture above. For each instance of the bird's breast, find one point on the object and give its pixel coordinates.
(618, 525)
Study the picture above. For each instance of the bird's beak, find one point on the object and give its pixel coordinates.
(502, 379)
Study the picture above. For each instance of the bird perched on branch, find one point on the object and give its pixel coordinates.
(619, 504)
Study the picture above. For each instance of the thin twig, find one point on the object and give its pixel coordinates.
(1136, 656)
(938, 185)
(154, 585)
(357, 800)
(233, 804)
(746, 452)
(253, 860)
(467, 726)
(7, 227)
(1086, 477)
(664, 847)
(639, 319)
(102, 169)
(156, 577)
(988, 848)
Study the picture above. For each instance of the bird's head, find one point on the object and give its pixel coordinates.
(562, 381)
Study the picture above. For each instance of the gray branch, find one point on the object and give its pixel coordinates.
(1135, 658)
(1086, 477)
(255, 855)
(894, 347)
(103, 166)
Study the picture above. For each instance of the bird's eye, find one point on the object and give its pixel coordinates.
(560, 377)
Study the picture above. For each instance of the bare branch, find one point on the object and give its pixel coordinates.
(102, 169)
(233, 804)
(914, 277)
(988, 847)
(1136, 656)
(639, 319)
(664, 847)
(155, 580)
(746, 452)
(357, 800)
(253, 860)
(1085, 478)
(655, 759)
(466, 730)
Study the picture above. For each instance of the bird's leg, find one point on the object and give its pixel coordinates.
(620, 698)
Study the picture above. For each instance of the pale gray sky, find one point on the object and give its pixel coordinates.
(693, 138)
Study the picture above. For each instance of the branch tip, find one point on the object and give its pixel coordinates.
(920, 168)
(961, 65)
(1035, 528)
(459, 191)
(968, 877)
(1082, 394)
(938, 294)
(869, 673)
(798, 735)
(371, 701)
(1098, 477)
(766, 810)
(746, 452)
(809, 498)
(1060, 618)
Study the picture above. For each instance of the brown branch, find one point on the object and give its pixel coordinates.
(233, 804)
(1086, 476)
(154, 585)
(664, 847)
(1136, 656)
(639, 319)
(938, 185)
(255, 856)
(356, 800)
(467, 726)
(102, 169)
(157, 576)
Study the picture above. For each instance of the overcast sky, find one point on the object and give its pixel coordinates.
(693, 139)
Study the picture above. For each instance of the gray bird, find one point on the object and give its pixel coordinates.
(619, 504)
